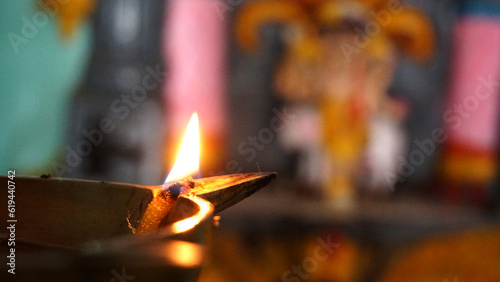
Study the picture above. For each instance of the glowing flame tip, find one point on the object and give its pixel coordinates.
(188, 159)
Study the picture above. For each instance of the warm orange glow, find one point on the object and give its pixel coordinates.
(188, 159)
(184, 254)
(190, 222)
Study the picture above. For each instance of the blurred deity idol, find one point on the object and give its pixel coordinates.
(335, 74)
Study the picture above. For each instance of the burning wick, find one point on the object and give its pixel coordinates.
(177, 189)
(174, 190)
(161, 205)
(178, 182)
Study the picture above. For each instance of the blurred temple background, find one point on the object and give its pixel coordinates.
(381, 118)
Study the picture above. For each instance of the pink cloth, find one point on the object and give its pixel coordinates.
(476, 63)
(195, 43)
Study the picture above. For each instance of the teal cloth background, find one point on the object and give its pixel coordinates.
(36, 84)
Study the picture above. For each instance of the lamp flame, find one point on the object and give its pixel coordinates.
(188, 159)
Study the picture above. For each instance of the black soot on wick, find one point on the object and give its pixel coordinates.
(178, 188)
